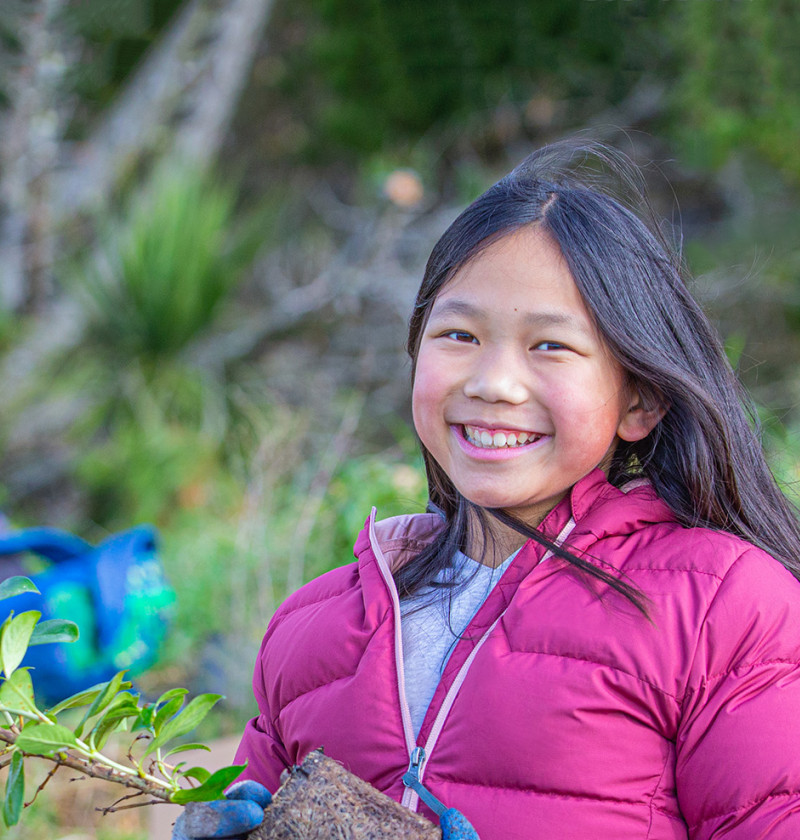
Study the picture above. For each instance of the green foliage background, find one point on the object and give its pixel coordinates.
(738, 85)
(397, 70)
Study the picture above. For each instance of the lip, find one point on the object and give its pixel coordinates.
(492, 427)
(482, 454)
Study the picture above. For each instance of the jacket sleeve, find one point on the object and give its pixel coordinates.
(260, 746)
(738, 744)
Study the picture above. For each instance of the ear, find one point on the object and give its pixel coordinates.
(642, 416)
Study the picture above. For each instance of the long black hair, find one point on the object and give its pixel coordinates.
(704, 458)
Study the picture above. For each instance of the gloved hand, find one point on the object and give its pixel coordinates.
(455, 826)
(242, 810)
(239, 813)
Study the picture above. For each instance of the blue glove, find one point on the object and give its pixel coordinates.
(243, 810)
(455, 826)
(237, 815)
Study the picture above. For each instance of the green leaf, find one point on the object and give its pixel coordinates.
(16, 585)
(45, 739)
(212, 788)
(121, 712)
(144, 719)
(82, 698)
(172, 693)
(116, 684)
(186, 748)
(166, 712)
(125, 709)
(101, 732)
(199, 773)
(16, 693)
(54, 630)
(15, 638)
(125, 705)
(15, 791)
(108, 691)
(185, 721)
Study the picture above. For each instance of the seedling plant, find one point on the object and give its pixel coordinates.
(30, 733)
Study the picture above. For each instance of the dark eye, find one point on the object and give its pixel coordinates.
(460, 335)
(549, 345)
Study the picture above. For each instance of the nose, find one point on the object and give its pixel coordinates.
(497, 376)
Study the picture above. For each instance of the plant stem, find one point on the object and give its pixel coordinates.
(129, 771)
(99, 766)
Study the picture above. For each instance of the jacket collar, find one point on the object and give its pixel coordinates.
(602, 510)
(598, 509)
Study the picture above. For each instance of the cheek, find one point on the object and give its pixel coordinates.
(421, 406)
(585, 417)
(427, 399)
(594, 398)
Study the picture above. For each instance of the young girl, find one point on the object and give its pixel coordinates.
(596, 632)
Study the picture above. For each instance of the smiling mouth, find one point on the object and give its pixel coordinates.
(497, 439)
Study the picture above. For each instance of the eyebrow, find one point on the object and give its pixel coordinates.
(546, 318)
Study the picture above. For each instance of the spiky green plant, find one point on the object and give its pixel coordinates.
(165, 266)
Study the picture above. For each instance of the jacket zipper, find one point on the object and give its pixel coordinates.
(412, 782)
(418, 756)
(386, 573)
(411, 795)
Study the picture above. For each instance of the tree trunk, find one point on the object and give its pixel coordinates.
(179, 103)
(29, 145)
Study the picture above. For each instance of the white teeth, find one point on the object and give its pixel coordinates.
(497, 440)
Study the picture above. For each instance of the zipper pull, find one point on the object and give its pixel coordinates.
(417, 757)
(411, 780)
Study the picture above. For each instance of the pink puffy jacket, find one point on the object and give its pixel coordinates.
(563, 712)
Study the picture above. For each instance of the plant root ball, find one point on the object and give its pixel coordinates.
(320, 800)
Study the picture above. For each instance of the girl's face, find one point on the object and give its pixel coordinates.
(515, 394)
